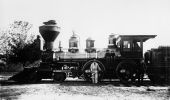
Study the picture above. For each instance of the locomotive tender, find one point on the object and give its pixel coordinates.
(158, 64)
(122, 59)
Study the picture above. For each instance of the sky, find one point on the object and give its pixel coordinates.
(94, 18)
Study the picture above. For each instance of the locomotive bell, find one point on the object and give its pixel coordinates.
(49, 32)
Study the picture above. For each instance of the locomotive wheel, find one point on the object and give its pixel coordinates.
(125, 72)
(39, 78)
(59, 77)
(87, 71)
(152, 78)
(33, 78)
(156, 79)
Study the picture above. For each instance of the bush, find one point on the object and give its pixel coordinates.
(30, 52)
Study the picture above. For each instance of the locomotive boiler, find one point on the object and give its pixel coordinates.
(122, 59)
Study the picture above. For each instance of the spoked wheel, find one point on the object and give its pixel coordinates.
(59, 77)
(33, 77)
(93, 65)
(125, 72)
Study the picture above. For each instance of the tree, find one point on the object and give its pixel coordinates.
(15, 35)
(17, 43)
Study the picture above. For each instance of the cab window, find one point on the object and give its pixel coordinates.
(136, 46)
(126, 45)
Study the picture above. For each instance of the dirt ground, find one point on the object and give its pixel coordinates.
(74, 89)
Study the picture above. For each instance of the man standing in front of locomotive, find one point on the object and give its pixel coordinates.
(94, 71)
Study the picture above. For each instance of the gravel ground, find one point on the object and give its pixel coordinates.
(76, 90)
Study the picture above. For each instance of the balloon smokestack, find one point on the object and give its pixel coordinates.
(49, 31)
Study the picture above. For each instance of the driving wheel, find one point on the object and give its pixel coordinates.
(98, 67)
(59, 77)
(125, 72)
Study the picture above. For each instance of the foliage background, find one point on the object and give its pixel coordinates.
(19, 46)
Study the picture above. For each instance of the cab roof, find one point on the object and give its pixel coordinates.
(137, 38)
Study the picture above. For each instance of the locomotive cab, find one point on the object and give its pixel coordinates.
(131, 46)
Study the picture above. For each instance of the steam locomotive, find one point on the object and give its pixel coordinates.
(122, 59)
